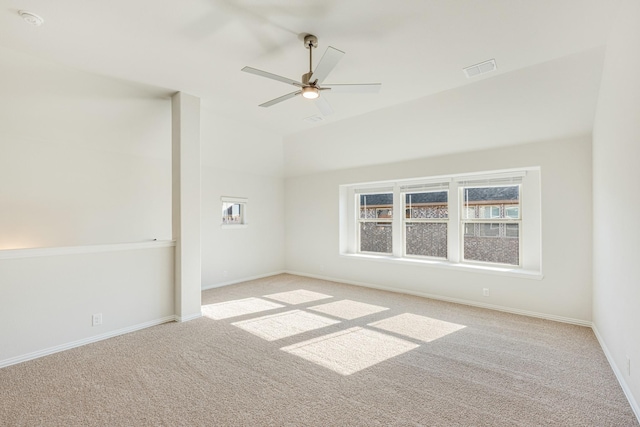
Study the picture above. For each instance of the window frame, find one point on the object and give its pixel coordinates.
(405, 220)
(377, 220)
(243, 202)
(529, 229)
(492, 220)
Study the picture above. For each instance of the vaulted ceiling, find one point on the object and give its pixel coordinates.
(415, 48)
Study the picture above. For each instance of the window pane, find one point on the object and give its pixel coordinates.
(428, 205)
(487, 212)
(491, 202)
(376, 206)
(384, 213)
(426, 239)
(232, 213)
(489, 230)
(495, 242)
(512, 212)
(375, 237)
(469, 229)
(469, 212)
(512, 230)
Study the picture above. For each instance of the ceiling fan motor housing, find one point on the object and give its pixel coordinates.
(310, 41)
(306, 77)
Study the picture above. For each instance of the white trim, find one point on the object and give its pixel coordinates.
(546, 316)
(245, 279)
(492, 178)
(234, 199)
(442, 263)
(373, 190)
(444, 178)
(189, 317)
(424, 188)
(72, 250)
(625, 388)
(244, 225)
(84, 341)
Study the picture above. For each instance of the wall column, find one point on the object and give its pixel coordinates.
(185, 162)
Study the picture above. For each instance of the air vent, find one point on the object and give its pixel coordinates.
(314, 119)
(482, 68)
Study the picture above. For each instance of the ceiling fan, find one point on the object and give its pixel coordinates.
(311, 84)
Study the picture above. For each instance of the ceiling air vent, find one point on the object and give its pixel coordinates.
(314, 119)
(481, 68)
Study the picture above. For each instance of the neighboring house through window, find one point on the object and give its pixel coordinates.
(456, 219)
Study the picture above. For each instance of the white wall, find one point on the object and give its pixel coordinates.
(565, 292)
(83, 159)
(48, 300)
(86, 159)
(241, 161)
(616, 199)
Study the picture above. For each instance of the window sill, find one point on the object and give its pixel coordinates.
(234, 225)
(499, 271)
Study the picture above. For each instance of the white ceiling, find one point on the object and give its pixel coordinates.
(552, 101)
(415, 48)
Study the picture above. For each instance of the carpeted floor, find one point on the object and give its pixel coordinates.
(293, 351)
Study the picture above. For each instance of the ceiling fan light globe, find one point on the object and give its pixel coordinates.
(310, 92)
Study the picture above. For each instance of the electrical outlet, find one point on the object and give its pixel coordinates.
(225, 273)
(628, 366)
(485, 292)
(96, 319)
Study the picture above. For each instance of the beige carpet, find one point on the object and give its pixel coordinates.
(292, 351)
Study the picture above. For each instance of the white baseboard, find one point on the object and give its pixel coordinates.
(618, 374)
(455, 300)
(78, 343)
(244, 279)
(189, 317)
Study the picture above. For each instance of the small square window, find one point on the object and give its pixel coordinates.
(234, 212)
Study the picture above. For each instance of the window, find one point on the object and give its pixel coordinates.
(234, 212)
(490, 219)
(425, 223)
(493, 235)
(375, 230)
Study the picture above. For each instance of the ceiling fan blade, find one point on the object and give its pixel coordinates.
(280, 99)
(329, 60)
(354, 88)
(324, 106)
(271, 76)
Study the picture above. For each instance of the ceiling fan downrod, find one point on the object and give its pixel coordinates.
(310, 42)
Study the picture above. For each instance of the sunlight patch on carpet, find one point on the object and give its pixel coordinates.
(282, 325)
(299, 296)
(347, 309)
(347, 352)
(227, 309)
(417, 327)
